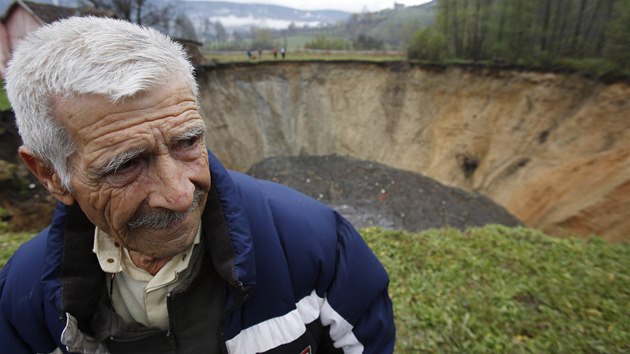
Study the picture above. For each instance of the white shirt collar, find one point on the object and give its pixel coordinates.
(113, 258)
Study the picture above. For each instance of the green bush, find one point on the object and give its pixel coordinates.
(594, 67)
(365, 42)
(428, 44)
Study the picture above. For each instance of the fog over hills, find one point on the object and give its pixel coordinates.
(240, 17)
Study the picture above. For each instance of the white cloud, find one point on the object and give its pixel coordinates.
(234, 21)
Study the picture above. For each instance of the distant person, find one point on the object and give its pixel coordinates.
(154, 246)
(274, 51)
(249, 54)
(260, 53)
(283, 52)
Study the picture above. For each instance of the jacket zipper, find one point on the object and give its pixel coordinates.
(171, 328)
(129, 340)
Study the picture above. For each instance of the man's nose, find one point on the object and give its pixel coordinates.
(172, 190)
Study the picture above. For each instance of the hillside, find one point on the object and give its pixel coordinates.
(230, 26)
(394, 27)
(553, 149)
(241, 17)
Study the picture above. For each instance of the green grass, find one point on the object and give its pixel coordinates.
(9, 242)
(502, 290)
(498, 290)
(596, 67)
(4, 101)
(593, 68)
(301, 55)
(297, 42)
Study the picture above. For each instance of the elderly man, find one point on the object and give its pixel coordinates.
(154, 246)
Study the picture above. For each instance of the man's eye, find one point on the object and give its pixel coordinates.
(125, 167)
(187, 143)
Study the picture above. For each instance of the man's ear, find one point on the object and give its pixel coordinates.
(46, 176)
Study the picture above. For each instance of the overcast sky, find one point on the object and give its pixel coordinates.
(350, 6)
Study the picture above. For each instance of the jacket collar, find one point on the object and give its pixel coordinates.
(227, 229)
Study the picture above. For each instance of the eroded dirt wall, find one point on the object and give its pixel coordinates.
(553, 149)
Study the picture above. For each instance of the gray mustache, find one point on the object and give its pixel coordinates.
(163, 220)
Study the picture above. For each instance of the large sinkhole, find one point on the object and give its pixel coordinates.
(553, 149)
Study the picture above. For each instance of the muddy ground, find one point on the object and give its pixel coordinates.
(372, 194)
(24, 204)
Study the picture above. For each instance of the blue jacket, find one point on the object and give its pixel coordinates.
(289, 263)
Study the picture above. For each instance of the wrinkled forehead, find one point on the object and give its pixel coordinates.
(85, 116)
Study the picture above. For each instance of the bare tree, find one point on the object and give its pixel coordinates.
(221, 33)
(142, 12)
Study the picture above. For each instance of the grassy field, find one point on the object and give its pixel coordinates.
(498, 290)
(503, 290)
(303, 55)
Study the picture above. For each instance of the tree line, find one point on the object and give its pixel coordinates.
(161, 15)
(521, 31)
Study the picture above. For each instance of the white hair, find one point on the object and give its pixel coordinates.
(83, 56)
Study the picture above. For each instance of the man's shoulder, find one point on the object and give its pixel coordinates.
(20, 279)
(282, 202)
(288, 212)
(252, 188)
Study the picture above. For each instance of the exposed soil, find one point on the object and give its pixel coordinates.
(372, 194)
(24, 204)
(9, 138)
(32, 213)
(552, 148)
